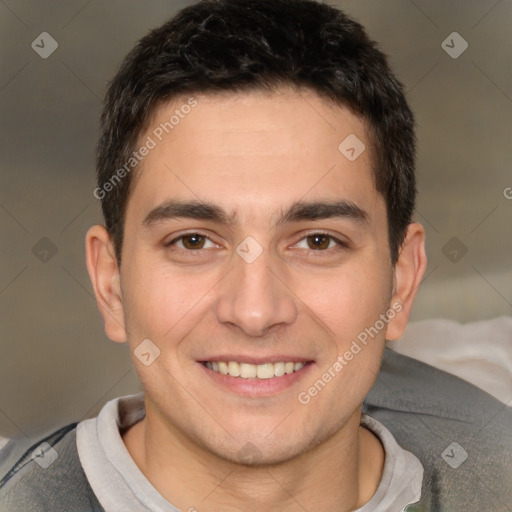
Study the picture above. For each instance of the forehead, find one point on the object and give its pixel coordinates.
(253, 150)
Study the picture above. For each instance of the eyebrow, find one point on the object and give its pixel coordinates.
(298, 211)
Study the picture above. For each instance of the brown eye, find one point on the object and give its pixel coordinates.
(321, 242)
(318, 241)
(193, 241)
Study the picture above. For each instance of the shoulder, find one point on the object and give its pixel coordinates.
(462, 435)
(45, 474)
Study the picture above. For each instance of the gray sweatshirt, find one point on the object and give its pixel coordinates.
(439, 433)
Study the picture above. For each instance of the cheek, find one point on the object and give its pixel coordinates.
(350, 304)
(349, 300)
(165, 305)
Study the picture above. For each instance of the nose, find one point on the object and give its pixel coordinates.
(254, 298)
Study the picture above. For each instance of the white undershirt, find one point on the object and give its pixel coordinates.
(119, 484)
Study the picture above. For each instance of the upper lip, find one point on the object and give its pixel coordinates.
(257, 360)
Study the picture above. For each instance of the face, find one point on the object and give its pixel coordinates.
(251, 238)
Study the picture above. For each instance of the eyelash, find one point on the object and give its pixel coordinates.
(340, 243)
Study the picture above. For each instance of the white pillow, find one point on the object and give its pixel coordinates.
(479, 352)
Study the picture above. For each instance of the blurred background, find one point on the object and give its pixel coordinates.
(56, 363)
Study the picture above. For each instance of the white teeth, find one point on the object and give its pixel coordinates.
(234, 369)
(251, 371)
(279, 369)
(223, 367)
(248, 371)
(265, 371)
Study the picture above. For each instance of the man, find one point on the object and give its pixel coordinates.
(256, 173)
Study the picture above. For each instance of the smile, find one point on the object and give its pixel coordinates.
(254, 371)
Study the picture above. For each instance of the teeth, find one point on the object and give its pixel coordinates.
(265, 371)
(234, 369)
(279, 369)
(251, 371)
(248, 371)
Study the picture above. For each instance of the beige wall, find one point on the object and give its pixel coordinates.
(56, 364)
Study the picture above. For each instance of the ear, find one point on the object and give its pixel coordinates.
(408, 273)
(105, 279)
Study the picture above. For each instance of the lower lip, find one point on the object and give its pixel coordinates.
(257, 387)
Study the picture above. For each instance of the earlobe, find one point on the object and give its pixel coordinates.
(105, 279)
(409, 271)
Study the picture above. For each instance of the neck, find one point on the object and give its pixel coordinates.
(342, 473)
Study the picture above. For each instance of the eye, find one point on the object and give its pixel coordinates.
(319, 242)
(191, 241)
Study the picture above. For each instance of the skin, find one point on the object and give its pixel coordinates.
(253, 155)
